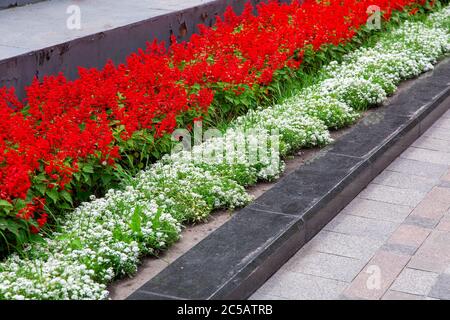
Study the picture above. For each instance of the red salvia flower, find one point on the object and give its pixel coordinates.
(70, 122)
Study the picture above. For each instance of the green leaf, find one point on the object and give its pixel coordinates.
(135, 223)
(23, 236)
(86, 177)
(20, 204)
(5, 204)
(53, 194)
(11, 226)
(106, 179)
(36, 238)
(66, 195)
(42, 188)
(76, 244)
(88, 168)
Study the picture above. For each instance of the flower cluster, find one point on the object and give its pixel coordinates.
(100, 240)
(71, 138)
(104, 238)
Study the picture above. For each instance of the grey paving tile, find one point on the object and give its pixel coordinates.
(325, 265)
(415, 281)
(430, 156)
(397, 295)
(258, 295)
(442, 123)
(377, 210)
(298, 286)
(418, 168)
(446, 114)
(441, 289)
(444, 184)
(392, 195)
(343, 296)
(351, 246)
(405, 181)
(431, 263)
(399, 248)
(438, 133)
(360, 226)
(432, 144)
(419, 221)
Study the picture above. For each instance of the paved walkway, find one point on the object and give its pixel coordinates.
(391, 242)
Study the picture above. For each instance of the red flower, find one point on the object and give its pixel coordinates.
(70, 122)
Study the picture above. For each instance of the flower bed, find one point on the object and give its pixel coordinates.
(72, 139)
(104, 238)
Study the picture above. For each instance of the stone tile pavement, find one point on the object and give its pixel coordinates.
(391, 242)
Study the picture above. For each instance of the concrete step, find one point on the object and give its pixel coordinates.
(6, 4)
(44, 38)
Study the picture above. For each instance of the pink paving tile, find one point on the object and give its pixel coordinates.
(434, 205)
(409, 235)
(446, 176)
(373, 281)
(434, 254)
(444, 224)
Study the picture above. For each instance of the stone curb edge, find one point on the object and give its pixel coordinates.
(237, 258)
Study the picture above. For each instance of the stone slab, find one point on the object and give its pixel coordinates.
(228, 256)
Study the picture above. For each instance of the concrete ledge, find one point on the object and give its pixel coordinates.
(237, 258)
(36, 40)
(6, 4)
